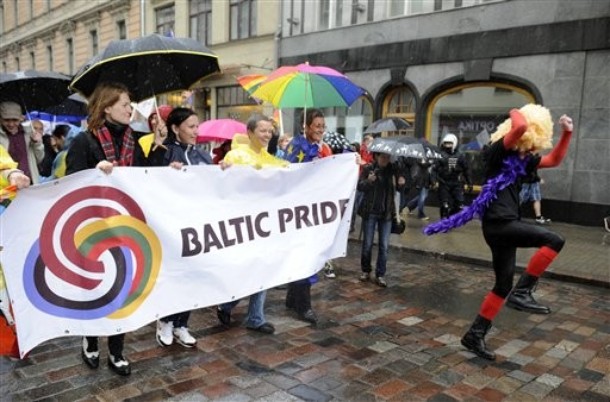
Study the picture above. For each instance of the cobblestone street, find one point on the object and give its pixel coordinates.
(400, 343)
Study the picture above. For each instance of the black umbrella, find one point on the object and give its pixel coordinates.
(387, 124)
(336, 141)
(148, 66)
(396, 148)
(34, 90)
(73, 105)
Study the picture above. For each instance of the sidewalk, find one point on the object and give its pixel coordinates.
(585, 257)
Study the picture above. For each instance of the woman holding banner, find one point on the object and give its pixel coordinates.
(108, 142)
(252, 150)
(182, 124)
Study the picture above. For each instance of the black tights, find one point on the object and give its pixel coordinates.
(504, 237)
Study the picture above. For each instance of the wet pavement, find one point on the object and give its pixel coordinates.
(585, 257)
(400, 343)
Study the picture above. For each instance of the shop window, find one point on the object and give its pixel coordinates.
(472, 112)
(235, 103)
(351, 121)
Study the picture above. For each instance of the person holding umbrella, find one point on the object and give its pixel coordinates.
(108, 142)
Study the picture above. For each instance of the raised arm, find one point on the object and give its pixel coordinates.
(560, 150)
(518, 127)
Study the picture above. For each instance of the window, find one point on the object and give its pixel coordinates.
(400, 102)
(4, 68)
(31, 9)
(201, 20)
(94, 42)
(473, 116)
(17, 64)
(165, 18)
(370, 11)
(48, 5)
(33, 60)
(50, 57)
(409, 7)
(243, 19)
(70, 55)
(121, 29)
(331, 14)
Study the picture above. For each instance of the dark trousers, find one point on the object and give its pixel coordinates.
(504, 237)
(298, 296)
(451, 196)
(180, 319)
(115, 344)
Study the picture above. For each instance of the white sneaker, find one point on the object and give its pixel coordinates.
(164, 333)
(184, 338)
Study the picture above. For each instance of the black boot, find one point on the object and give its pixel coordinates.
(474, 340)
(521, 297)
(302, 299)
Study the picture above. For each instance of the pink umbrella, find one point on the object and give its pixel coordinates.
(219, 130)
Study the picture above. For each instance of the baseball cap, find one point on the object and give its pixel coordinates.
(10, 110)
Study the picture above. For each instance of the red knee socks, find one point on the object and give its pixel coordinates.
(540, 261)
(491, 306)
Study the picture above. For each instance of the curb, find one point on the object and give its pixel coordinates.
(486, 263)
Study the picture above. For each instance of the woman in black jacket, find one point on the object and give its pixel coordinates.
(108, 142)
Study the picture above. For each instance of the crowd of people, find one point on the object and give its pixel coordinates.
(382, 192)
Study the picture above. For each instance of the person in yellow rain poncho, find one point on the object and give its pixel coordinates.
(11, 179)
(252, 150)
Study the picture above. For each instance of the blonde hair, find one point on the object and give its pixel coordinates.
(539, 133)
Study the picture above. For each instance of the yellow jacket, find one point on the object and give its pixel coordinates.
(241, 153)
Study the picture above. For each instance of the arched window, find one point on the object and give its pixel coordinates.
(400, 102)
(472, 112)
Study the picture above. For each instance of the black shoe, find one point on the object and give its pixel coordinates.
(223, 316)
(521, 297)
(474, 340)
(119, 365)
(90, 355)
(266, 328)
(309, 316)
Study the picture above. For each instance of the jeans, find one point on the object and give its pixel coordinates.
(256, 309)
(384, 228)
(179, 320)
(419, 201)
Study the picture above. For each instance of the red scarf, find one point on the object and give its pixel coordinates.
(105, 139)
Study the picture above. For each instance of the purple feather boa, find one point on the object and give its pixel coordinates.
(512, 168)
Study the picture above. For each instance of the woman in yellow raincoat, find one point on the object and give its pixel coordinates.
(252, 150)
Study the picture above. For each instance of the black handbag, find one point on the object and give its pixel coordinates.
(398, 226)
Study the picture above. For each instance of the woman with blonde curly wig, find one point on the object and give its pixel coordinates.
(512, 155)
(514, 147)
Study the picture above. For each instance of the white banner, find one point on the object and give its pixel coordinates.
(92, 254)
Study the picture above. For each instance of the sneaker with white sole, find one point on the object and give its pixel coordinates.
(329, 271)
(541, 220)
(184, 338)
(365, 276)
(164, 333)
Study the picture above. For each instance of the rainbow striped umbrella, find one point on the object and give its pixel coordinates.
(307, 86)
(251, 82)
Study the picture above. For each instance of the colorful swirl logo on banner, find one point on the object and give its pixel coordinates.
(95, 256)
